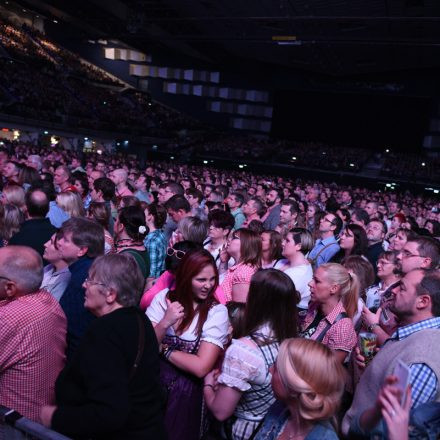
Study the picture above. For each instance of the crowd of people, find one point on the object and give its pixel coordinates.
(182, 302)
(41, 80)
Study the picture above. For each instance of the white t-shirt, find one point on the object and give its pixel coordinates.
(301, 276)
(214, 330)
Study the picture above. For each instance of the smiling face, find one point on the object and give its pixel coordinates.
(203, 283)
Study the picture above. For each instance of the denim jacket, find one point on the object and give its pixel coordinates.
(277, 417)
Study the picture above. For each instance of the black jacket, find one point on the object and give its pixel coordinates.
(34, 233)
(94, 394)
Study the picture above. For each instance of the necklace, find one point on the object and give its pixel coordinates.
(130, 243)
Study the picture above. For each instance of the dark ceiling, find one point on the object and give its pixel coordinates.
(336, 37)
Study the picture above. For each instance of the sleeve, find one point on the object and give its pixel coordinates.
(342, 336)
(241, 367)
(103, 373)
(216, 328)
(165, 281)
(243, 275)
(156, 311)
(152, 247)
(423, 384)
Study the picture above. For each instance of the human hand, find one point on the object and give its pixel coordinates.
(46, 414)
(396, 417)
(224, 256)
(211, 378)
(173, 313)
(370, 318)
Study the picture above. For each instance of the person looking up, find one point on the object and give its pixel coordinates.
(252, 210)
(62, 179)
(119, 177)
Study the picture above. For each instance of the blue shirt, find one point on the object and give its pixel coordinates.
(423, 379)
(327, 253)
(56, 215)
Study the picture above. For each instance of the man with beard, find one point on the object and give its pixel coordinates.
(288, 216)
(272, 217)
(416, 303)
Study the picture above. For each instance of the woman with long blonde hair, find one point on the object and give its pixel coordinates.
(308, 381)
(334, 301)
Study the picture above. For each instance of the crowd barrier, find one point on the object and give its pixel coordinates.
(13, 426)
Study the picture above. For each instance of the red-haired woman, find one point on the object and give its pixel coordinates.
(192, 328)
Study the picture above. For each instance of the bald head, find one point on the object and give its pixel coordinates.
(21, 271)
(119, 176)
(37, 203)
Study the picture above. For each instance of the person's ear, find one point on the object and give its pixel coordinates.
(111, 296)
(10, 289)
(82, 251)
(423, 302)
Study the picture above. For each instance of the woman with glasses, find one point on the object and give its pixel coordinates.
(352, 241)
(297, 244)
(382, 322)
(333, 304)
(111, 389)
(245, 248)
(308, 382)
(167, 280)
(242, 394)
(192, 328)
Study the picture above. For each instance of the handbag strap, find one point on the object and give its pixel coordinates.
(341, 315)
(141, 345)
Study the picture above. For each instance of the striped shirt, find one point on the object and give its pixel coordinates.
(423, 379)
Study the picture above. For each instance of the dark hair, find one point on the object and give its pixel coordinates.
(256, 226)
(191, 265)
(159, 214)
(338, 223)
(238, 197)
(236, 318)
(28, 175)
(85, 233)
(272, 300)
(37, 206)
(195, 193)
(275, 240)
(430, 285)
(106, 186)
(129, 201)
(174, 187)
(250, 247)
(82, 179)
(132, 217)
(178, 202)
(47, 187)
(346, 214)
(435, 227)
(100, 213)
(363, 269)
(292, 204)
(428, 247)
(360, 245)
(361, 215)
(172, 262)
(221, 219)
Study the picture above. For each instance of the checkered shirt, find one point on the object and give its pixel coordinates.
(156, 245)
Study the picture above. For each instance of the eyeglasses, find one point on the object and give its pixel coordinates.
(383, 263)
(88, 282)
(325, 219)
(407, 254)
(179, 254)
(5, 278)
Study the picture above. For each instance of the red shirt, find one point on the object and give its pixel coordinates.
(32, 353)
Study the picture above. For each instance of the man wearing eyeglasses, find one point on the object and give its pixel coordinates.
(326, 246)
(32, 334)
(419, 253)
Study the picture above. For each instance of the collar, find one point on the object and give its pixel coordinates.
(339, 308)
(408, 330)
(327, 240)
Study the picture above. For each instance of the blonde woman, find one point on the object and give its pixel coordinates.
(10, 223)
(334, 296)
(71, 203)
(14, 195)
(308, 381)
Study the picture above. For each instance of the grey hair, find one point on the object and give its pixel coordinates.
(121, 273)
(24, 266)
(193, 229)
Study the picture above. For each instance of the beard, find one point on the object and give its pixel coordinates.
(270, 203)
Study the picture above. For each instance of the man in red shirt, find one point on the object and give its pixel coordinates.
(32, 334)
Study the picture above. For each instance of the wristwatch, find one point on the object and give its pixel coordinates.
(371, 327)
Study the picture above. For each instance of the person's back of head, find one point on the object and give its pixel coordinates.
(37, 203)
(174, 187)
(193, 229)
(430, 285)
(86, 233)
(177, 252)
(133, 220)
(177, 203)
(22, 267)
(106, 186)
(221, 219)
(47, 186)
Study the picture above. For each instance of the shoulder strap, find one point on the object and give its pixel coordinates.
(141, 345)
(341, 315)
(315, 258)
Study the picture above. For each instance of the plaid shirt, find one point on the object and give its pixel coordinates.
(33, 342)
(156, 245)
(423, 380)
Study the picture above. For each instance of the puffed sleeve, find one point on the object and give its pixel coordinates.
(241, 367)
(216, 327)
(157, 308)
(342, 336)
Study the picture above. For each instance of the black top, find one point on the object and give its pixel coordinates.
(34, 233)
(94, 393)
